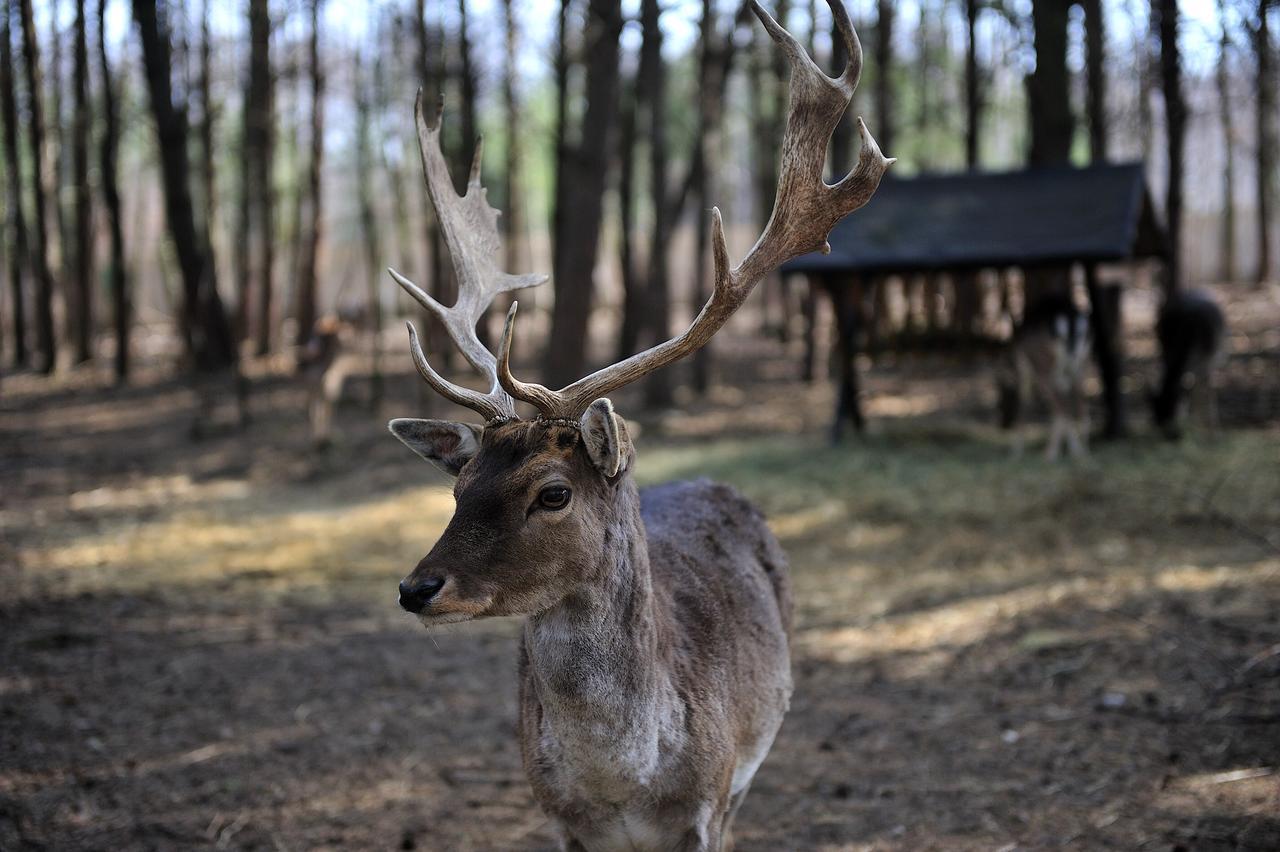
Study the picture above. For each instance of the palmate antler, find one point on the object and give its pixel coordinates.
(805, 210)
(470, 228)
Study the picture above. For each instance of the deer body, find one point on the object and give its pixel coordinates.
(324, 364)
(654, 662)
(1049, 351)
(1191, 329)
(649, 698)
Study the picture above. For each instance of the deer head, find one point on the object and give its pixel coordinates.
(535, 497)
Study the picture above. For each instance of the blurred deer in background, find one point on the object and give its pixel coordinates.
(1049, 350)
(1191, 330)
(654, 661)
(324, 364)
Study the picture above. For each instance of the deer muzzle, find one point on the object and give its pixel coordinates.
(416, 594)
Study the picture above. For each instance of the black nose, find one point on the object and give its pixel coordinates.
(414, 598)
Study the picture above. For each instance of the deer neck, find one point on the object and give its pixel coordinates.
(597, 660)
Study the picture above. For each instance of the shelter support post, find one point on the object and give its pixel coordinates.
(1105, 299)
(807, 369)
(846, 301)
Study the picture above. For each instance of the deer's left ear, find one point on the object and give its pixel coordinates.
(605, 434)
(445, 444)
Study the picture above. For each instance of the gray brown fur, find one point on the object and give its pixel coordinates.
(1049, 352)
(654, 664)
(324, 364)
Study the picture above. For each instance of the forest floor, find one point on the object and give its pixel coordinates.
(201, 645)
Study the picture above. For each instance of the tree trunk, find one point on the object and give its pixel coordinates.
(311, 228)
(924, 66)
(1095, 39)
(559, 201)
(513, 221)
(470, 134)
(842, 143)
(1176, 121)
(584, 188)
(59, 251)
(368, 225)
(711, 88)
(15, 220)
(1048, 94)
(632, 292)
(260, 122)
(766, 136)
(46, 342)
(884, 74)
(429, 66)
(206, 331)
(83, 249)
(1228, 267)
(972, 91)
(658, 386)
(208, 170)
(118, 277)
(1266, 138)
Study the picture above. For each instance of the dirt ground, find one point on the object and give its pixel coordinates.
(201, 646)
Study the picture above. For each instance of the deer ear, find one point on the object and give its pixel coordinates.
(605, 434)
(445, 444)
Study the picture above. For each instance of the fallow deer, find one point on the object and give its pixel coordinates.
(1049, 350)
(324, 364)
(654, 659)
(1191, 330)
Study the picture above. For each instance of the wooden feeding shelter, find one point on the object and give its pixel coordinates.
(952, 230)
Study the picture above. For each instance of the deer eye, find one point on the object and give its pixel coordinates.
(554, 497)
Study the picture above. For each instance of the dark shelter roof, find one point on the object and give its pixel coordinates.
(1037, 217)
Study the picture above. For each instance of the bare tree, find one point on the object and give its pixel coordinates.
(1095, 37)
(118, 276)
(884, 72)
(1175, 108)
(583, 195)
(561, 71)
(208, 118)
(1226, 116)
(652, 84)
(204, 322)
(1048, 93)
(260, 124)
(714, 55)
(311, 229)
(632, 292)
(842, 138)
(82, 251)
(46, 341)
(15, 220)
(972, 88)
(430, 60)
(513, 178)
(368, 222)
(1266, 136)
(55, 137)
(468, 87)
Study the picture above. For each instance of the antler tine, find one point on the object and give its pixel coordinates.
(486, 405)
(470, 229)
(805, 210)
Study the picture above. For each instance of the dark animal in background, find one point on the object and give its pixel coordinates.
(1049, 350)
(1191, 330)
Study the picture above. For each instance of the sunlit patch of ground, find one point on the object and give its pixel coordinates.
(201, 644)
